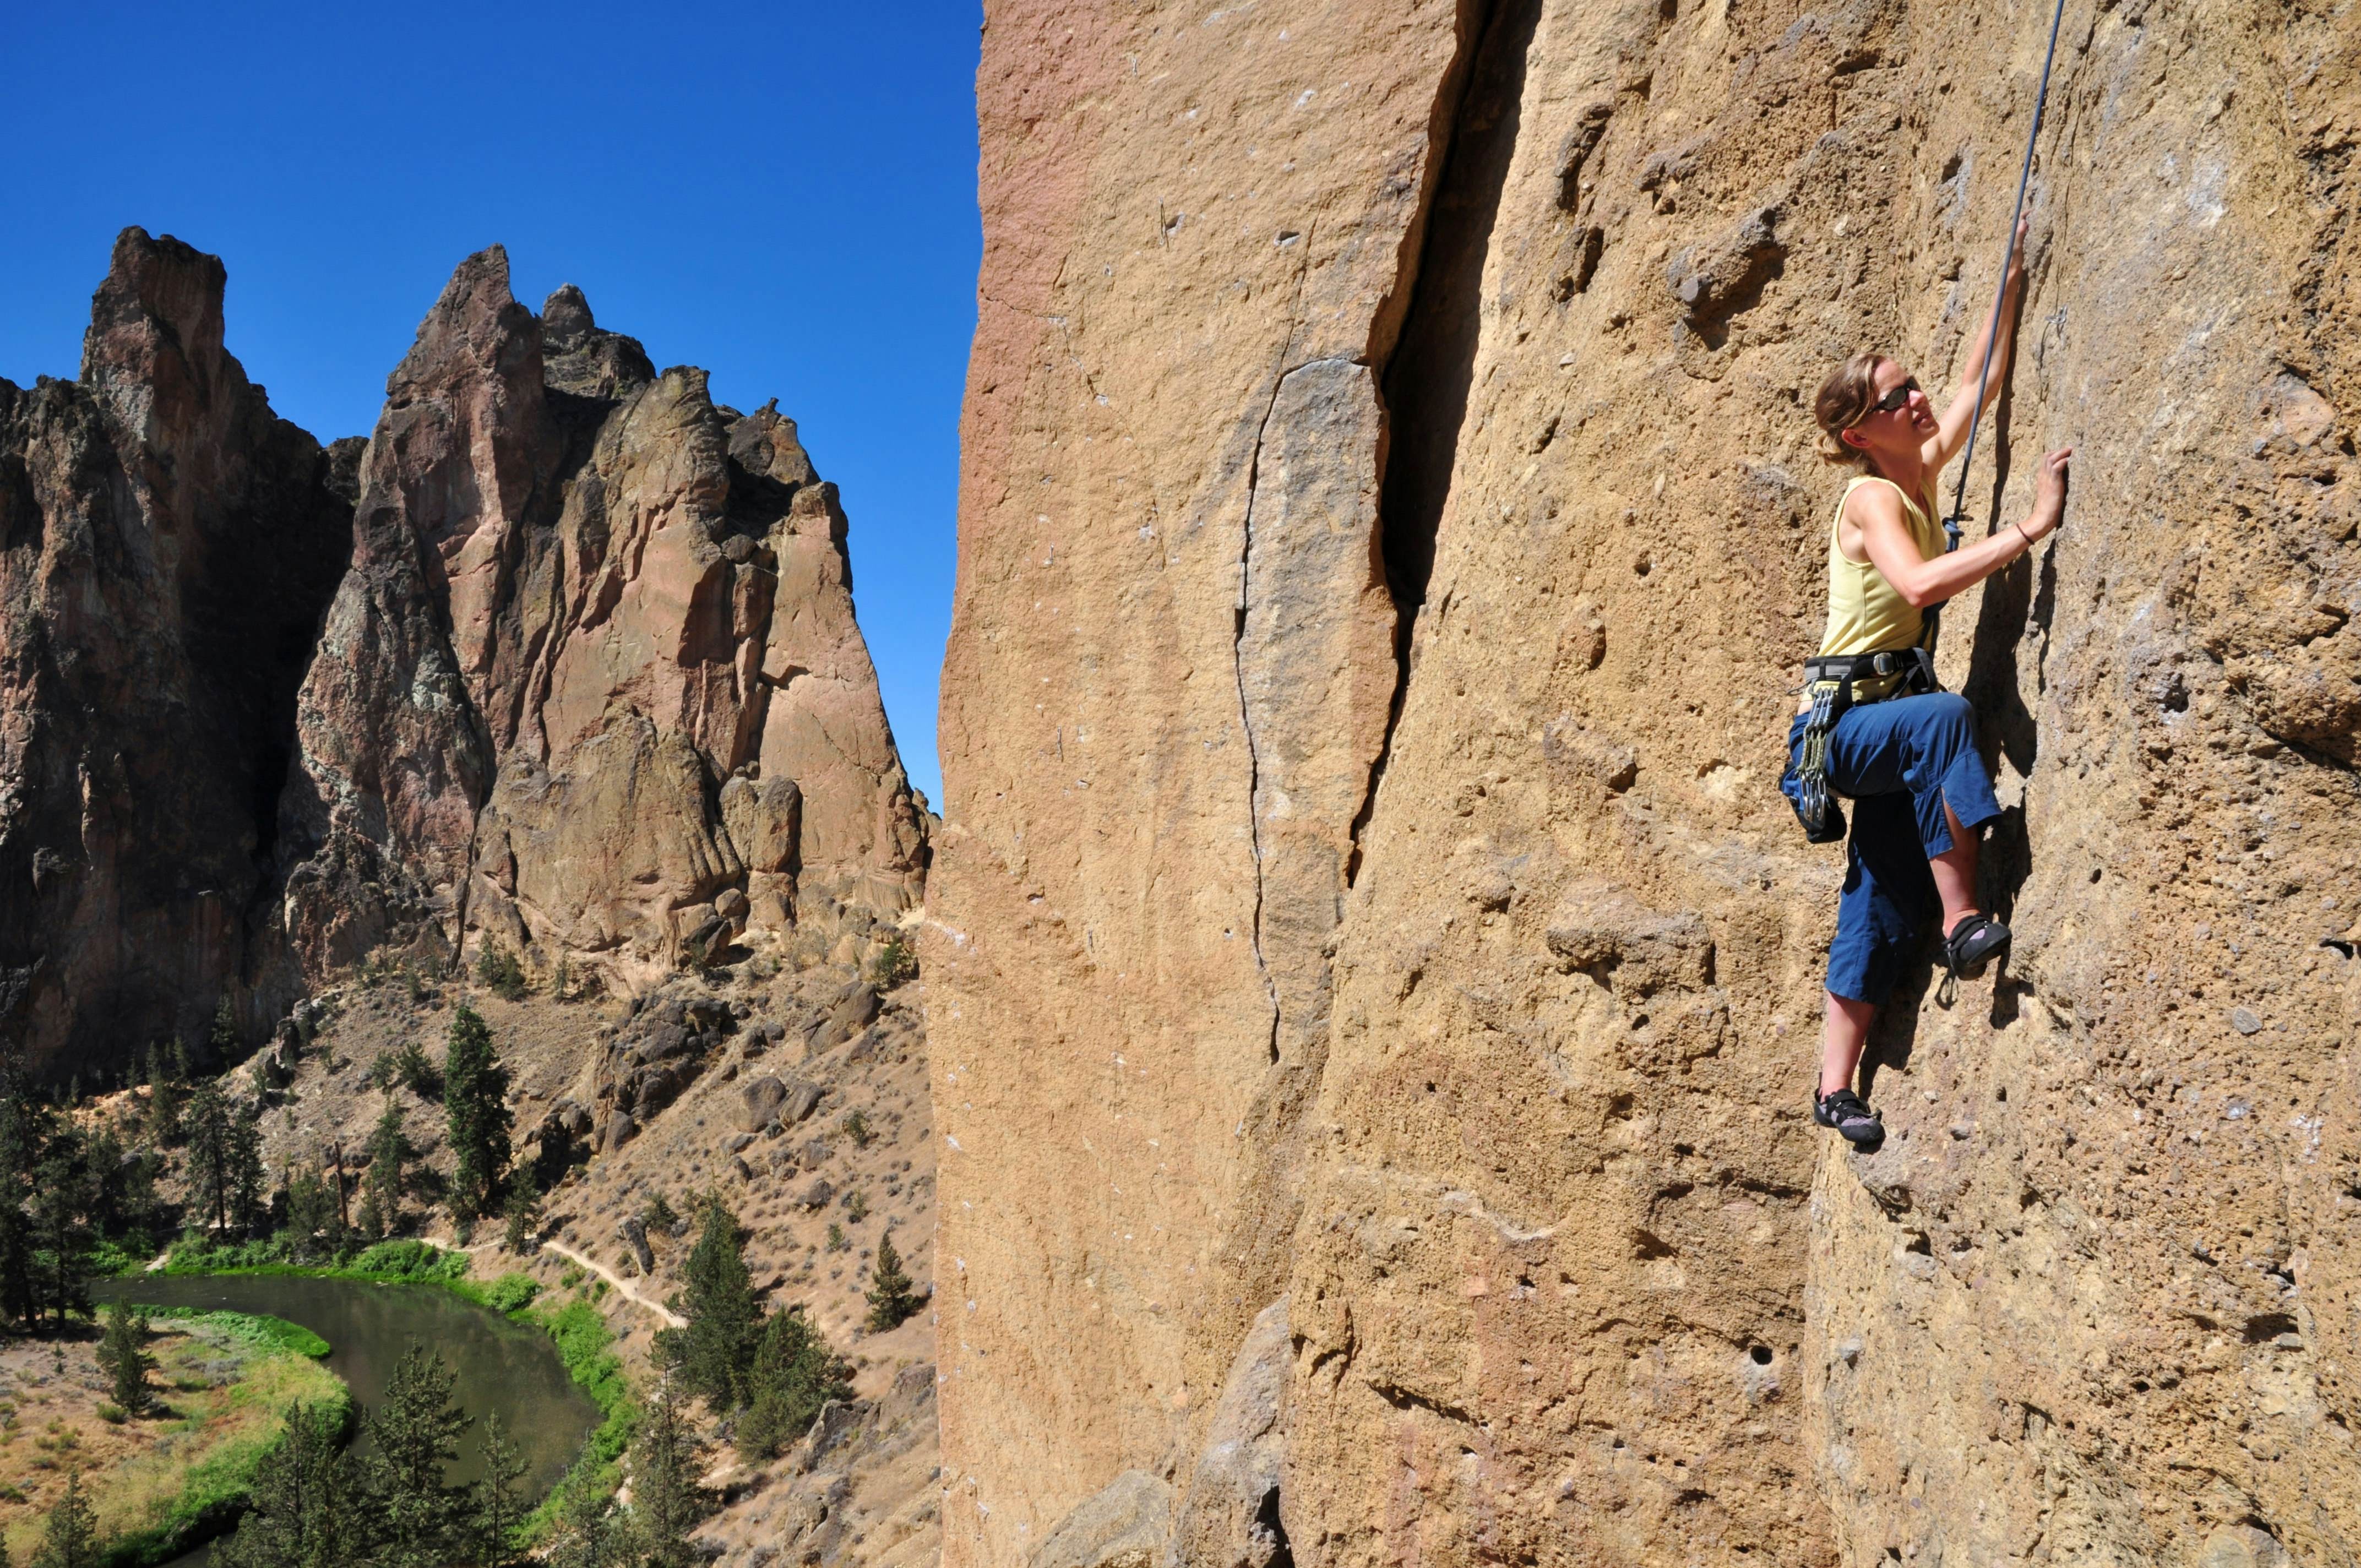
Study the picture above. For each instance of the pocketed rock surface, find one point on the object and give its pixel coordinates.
(1463, 1008)
(862, 1490)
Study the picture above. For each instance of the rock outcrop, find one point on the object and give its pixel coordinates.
(563, 658)
(167, 544)
(1462, 990)
(593, 685)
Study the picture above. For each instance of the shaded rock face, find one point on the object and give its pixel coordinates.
(167, 545)
(597, 631)
(1468, 998)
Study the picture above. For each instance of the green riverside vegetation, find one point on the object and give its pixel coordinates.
(318, 1502)
(194, 1445)
(79, 1199)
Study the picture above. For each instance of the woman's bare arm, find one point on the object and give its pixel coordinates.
(1874, 512)
(1999, 331)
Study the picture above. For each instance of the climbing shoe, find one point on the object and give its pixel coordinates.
(1854, 1122)
(1974, 942)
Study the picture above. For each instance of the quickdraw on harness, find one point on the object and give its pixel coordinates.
(1831, 678)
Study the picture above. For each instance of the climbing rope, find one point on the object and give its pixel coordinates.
(1955, 524)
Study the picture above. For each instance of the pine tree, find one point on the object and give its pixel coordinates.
(370, 1221)
(165, 1092)
(390, 1152)
(122, 1352)
(313, 1224)
(793, 1374)
(223, 1040)
(61, 1207)
(121, 1190)
(410, 1068)
(590, 1532)
(475, 1098)
(417, 1433)
(72, 1539)
(250, 1182)
(723, 1316)
(499, 1496)
(666, 1502)
(22, 1121)
(891, 1299)
(207, 1127)
(308, 1505)
(524, 1213)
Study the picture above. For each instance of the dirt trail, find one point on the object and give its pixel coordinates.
(672, 1318)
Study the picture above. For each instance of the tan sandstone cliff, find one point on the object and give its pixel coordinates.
(1374, 1092)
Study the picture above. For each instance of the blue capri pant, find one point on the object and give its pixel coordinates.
(1898, 760)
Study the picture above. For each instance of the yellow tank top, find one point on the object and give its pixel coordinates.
(1866, 613)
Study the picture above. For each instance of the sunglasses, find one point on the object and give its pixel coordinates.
(1891, 401)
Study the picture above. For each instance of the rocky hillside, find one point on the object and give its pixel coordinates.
(1375, 984)
(562, 659)
(796, 1096)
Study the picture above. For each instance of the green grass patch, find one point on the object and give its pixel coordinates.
(156, 1503)
(511, 1293)
(210, 1501)
(112, 1259)
(257, 1329)
(585, 1347)
(387, 1262)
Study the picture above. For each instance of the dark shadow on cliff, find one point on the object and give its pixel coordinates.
(1433, 366)
(2020, 597)
(1896, 1033)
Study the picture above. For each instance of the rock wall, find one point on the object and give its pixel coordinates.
(1457, 996)
(167, 544)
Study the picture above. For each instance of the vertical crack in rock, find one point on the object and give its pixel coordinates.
(1246, 707)
(1319, 650)
(1428, 376)
(1316, 676)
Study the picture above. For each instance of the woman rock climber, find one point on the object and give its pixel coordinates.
(1904, 749)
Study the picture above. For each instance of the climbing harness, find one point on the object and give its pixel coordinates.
(1831, 678)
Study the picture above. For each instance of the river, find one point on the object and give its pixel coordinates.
(500, 1364)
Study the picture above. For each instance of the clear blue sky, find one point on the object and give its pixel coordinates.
(784, 194)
